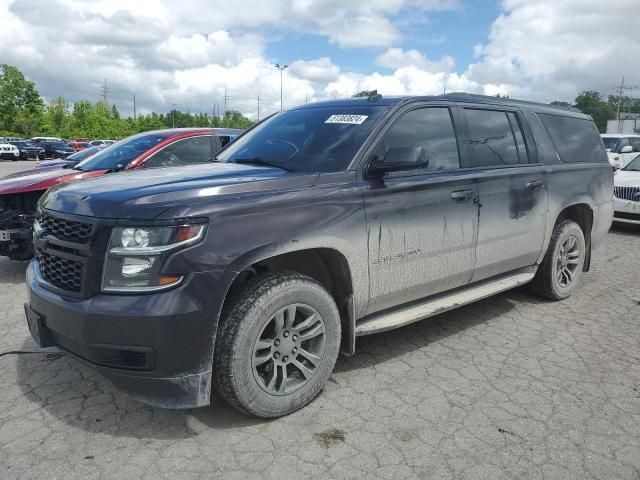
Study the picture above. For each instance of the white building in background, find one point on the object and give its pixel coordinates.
(624, 125)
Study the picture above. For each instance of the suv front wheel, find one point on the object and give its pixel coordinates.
(277, 345)
(561, 269)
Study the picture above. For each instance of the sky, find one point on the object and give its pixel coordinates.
(188, 54)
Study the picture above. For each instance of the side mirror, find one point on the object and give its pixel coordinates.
(400, 158)
(626, 149)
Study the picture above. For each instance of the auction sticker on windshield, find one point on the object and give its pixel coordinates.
(350, 119)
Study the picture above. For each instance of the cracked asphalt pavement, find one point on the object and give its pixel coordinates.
(512, 387)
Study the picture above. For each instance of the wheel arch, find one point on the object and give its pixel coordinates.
(327, 265)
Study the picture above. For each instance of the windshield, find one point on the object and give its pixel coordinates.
(633, 165)
(58, 144)
(119, 154)
(321, 139)
(611, 143)
(82, 154)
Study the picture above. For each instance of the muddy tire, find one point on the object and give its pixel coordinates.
(561, 269)
(276, 345)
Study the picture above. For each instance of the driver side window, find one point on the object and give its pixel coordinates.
(430, 128)
(183, 152)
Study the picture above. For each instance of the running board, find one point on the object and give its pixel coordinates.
(381, 322)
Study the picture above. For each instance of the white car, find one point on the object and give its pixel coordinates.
(9, 152)
(621, 147)
(626, 192)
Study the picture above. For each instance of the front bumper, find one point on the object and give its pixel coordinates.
(156, 347)
(9, 156)
(626, 211)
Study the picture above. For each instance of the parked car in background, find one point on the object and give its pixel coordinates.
(9, 152)
(78, 146)
(318, 225)
(56, 149)
(74, 158)
(621, 148)
(627, 193)
(28, 150)
(102, 142)
(38, 140)
(20, 191)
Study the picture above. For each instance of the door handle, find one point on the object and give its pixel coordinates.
(534, 184)
(461, 195)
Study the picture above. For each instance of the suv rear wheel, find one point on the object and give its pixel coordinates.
(277, 345)
(560, 271)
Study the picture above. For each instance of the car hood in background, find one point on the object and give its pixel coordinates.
(42, 178)
(626, 179)
(145, 194)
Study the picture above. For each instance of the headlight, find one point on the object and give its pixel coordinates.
(136, 255)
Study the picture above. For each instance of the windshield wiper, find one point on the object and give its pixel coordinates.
(261, 161)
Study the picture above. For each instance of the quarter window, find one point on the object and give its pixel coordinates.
(429, 128)
(491, 139)
(183, 152)
(576, 139)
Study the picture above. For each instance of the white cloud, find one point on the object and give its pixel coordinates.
(550, 49)
(398, 58)
(192, 52)
(320, 70)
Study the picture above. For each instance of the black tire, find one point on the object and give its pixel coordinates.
(550, 282)
(243, 325)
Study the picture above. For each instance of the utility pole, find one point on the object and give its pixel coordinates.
(258, 107)
(281, 68)
(224, 113)
(173, 115)
(621, 88)
(104, 91)
(134, 108)
(306, 99)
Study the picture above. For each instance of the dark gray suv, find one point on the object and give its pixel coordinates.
(320, 224)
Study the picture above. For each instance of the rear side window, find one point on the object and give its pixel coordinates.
(492, 140)
(576, 140)
(430, 128)
(635, 143)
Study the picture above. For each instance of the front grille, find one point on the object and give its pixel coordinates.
(627, 215)
(61, 272)
(627, 193)
(66, 229)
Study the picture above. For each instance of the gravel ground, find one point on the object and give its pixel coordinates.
(511, 387)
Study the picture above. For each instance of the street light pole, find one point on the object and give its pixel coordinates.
(281, 68)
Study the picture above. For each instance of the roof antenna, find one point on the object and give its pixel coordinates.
(374, 96)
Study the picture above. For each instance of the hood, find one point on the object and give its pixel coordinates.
(41, 179)
(147, 193)
(626, 179)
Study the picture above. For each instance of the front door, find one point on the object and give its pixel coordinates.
(512, 192)
(422, 224)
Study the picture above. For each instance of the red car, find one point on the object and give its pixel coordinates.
(20, 192)
(77, 145)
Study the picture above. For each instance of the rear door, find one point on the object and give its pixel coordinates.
(512, 190)
(421, 223)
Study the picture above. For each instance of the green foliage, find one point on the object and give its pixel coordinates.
(592, 103)
(23, 113)
(20, 103)
(363, 93)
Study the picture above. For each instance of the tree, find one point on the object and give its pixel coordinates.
(560, 103)
(363, 93)
(592, 103)
(20, 102)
